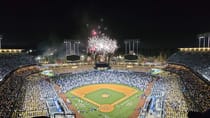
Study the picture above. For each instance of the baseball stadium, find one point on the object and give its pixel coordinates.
(99, 85)
(104, 59)
(82, 71)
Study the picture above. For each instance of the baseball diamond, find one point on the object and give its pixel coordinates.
(105, 99)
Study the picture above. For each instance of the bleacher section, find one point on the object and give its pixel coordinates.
(198, 61)
(194, 90)
(11, 90)
(9, 62)
(70, 81)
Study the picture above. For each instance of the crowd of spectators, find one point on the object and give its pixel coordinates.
(167, 98)
(198, 61)
(176, 104)
(9, 62)
(193, 87)
(194, 70)
(134, 79)
(37, 91)
(11, 90)
(180, 91)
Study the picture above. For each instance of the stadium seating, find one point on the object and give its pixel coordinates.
(193, 88)
(194, 70)
(9, 62)
(70, 81)
(11, 90)
(198, 61)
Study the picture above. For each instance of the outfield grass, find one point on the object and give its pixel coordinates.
(96, 96)
(123, 110)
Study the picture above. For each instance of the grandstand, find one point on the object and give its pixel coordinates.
(11, 82)
(192, 66)
(182, 86)
(198, 61)
(11, 61)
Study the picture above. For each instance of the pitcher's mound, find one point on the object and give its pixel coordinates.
(105, 95)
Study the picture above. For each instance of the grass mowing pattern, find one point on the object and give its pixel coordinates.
(96, 96)
(123, 110)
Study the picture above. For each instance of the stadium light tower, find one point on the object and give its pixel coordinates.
(204, 42)
(126, 42)
(137, 49)
(199, 42)
(66, 44)
(77, 42)
(1, 37)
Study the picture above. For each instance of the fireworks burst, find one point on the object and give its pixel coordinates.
(102, 44)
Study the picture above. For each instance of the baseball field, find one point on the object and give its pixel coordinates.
(104, 100)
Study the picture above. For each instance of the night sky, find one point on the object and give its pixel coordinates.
(30, 23)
